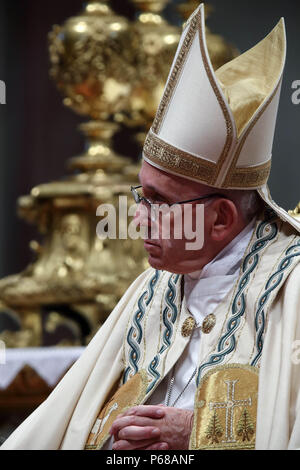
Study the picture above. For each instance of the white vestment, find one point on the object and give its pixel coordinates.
(255, 335)
(203, 291)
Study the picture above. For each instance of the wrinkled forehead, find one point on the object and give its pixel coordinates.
(153, 177)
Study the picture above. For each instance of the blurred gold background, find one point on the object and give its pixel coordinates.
(113, 71)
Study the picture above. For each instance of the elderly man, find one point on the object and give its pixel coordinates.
(229, 222)
(200, 351)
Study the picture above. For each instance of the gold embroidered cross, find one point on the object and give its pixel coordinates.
(229, 406)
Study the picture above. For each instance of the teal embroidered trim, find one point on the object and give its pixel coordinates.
(275, 280)
(135, 333)
(170, 314)
(266, 232)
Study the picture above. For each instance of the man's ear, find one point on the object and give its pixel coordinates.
(225, 219)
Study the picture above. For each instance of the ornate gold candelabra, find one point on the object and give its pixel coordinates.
(92, 66)
(113, 72)
(155, 43)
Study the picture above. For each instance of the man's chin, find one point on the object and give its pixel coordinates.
(155, 258)
(155, 263)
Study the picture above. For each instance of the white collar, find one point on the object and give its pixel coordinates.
(226, 260)
(223, 268)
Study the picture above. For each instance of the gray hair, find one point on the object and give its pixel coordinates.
(248, 202)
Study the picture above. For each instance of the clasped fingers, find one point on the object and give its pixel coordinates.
(126, 421)
(137, 433)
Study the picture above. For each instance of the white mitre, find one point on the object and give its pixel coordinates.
(217, 127)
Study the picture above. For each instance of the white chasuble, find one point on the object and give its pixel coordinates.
(247, 384)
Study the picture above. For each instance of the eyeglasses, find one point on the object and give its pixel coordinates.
(138, 198)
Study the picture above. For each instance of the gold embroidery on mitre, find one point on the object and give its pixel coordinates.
(188, 327)
(175, 73)
(174, 159)
(226, 409)
(249, 177)
(259, 171)
(130, 394)
(223, 106)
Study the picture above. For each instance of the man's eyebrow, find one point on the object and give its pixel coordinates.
(153, 189)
